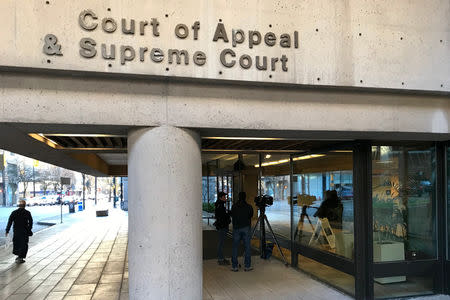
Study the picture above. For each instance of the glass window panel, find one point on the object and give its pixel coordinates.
(402, 286)
(275, 182)
(334, 277)
(218, 170)
(448, 203)
(326, 225)
(403, 191)
(205, 189)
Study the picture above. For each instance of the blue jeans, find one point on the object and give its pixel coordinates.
(238, 235)
(222, 234)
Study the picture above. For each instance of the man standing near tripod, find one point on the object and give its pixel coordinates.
(242, 214)
(222, 223)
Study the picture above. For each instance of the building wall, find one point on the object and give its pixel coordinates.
(64, 100)
(349, 45)
(382, 44)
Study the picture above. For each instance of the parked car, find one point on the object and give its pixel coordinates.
(52, 199)
(68, 199)
(32, 201)
(421, 187)
(42, 200)
(345, 192)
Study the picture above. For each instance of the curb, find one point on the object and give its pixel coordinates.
(47, 223)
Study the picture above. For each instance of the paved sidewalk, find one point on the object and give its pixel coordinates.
(83, 258)
(43, 217)
(86, 258)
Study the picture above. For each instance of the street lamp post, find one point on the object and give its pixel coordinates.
(84, 188)
(95, 190)
(34, 184)
(114, 192)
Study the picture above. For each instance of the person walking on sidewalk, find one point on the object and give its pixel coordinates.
(223, 220)
(242, 214)
(23, 223)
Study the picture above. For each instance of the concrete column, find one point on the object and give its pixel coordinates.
(165, 233)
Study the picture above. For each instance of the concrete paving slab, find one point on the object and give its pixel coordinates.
(108, 288)
(78, 297)
(40, 293)
(106, 296)
(18, 297)
(109, 278)
(88, 260)
(89, 276)
(82, 289)
(64, 285)
(55, 296)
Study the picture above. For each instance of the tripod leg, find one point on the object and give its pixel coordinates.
(310, 223)
(299, 223)
(276, 241)
(296, 232)
(254, 228)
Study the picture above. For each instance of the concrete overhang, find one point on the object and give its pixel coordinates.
(101, 150)
(29, 140)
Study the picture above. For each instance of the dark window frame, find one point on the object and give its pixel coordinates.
(363, 268)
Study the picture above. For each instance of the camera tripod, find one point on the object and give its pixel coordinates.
(262, 219)
(301, 224)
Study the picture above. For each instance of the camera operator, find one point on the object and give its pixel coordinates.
(331, 208)
(241, 213)
(222, 222)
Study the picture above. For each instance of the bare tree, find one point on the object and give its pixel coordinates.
(13, 180)
(25, 176)
(44, 180)
(54, 176)
(88, 185)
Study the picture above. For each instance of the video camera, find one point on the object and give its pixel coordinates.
(263, 201)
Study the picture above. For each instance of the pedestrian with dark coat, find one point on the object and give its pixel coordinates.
(223, 220)
(331, 208)
(23, 223)
(242, 214)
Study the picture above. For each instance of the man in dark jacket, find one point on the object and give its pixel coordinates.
(23, 223)
(222, 222)
(242, 214)
(331, 208)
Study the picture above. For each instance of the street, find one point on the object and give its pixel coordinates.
(38, 213)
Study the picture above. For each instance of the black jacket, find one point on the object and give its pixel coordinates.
(242, 214)
(332, 210)
(23, 222)
(222, 217)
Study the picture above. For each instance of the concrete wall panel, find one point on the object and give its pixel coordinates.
(382, 44)
(32, 99)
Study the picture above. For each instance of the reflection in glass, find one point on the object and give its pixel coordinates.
(275, 182)
(403, 197)
(334, 277)
(217, 177)
(411, 286)
(209, 192)
(448, 202)
(323, 202)
(403, 189)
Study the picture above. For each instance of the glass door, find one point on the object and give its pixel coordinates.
(323, 215)
(447, 168)
(404, 211)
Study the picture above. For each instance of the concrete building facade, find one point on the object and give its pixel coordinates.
(138, 88)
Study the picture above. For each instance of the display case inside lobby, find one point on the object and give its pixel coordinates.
(403, 199)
